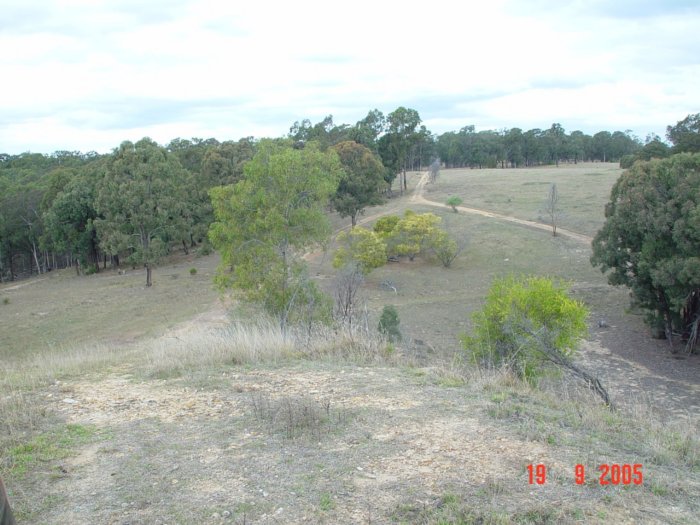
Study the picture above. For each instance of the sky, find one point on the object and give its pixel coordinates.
(86, 75)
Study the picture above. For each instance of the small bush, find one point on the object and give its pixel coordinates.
(445, 249)
(5, 300)
(204, 249)
(389, 323)
(518, 309)
(193, 271)
(454, 201)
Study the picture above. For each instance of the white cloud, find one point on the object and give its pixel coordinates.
(87, 75)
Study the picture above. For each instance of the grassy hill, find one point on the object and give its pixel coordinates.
(121, 404)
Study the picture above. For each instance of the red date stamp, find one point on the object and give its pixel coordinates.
(607, 474)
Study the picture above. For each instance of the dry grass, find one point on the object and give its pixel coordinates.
(260, 342)
(61, 311)
(583, 190)
(397, 410)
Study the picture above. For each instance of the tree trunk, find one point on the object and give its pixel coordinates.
(149, 282)
(668, 325)
(353, 219)
(184, 247)
(36, 258)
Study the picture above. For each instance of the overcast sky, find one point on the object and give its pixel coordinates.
(88, 74)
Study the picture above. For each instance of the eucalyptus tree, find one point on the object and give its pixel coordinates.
(141, 202)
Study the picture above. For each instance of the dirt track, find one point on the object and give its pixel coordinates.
(418, 198)
(634, 367)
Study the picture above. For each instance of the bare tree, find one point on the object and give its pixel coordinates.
(434, 170)
(552, 208)
(345, 292)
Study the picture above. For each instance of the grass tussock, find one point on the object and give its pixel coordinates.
(295, 417)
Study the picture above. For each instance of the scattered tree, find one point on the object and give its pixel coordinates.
(265, 222)
(454, 201)
(361, 184)
(552, 207)
(140, 202)
(651, 240)
(445, 249)
(434, 170)
(346, 286)
(396, 146)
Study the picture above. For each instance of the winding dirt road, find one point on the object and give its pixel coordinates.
(418, 198)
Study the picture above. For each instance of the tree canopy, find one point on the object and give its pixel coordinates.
(650, 241)
(141, 203)
(362, 181)
(685, 135)
(265, 223)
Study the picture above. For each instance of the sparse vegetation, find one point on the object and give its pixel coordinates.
(314, 417)
(193, 271)
(298, 417)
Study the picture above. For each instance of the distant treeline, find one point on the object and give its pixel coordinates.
(55, 209)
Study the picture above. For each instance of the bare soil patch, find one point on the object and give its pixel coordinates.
(173, 453)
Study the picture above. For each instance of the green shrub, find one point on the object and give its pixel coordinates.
(444, 248)
(193, 271)
(518, 314)
(5, 300)
(204, 249)
(626, 161)
(389, 323)
(454, 201)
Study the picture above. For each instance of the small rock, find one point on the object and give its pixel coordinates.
(175, 482)
(215, 516)
(226, 514)
(70, 401)
(265, 494)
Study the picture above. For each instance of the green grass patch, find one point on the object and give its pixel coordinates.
(326, 502)
(44, 448)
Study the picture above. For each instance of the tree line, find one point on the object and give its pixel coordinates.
(143, 200)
